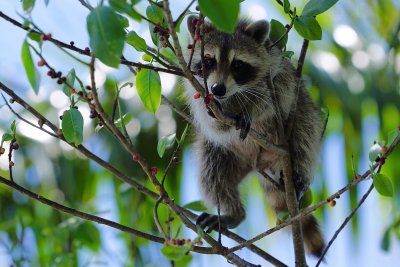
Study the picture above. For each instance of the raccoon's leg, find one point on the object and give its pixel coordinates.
(220, 174)
(304, 148)
(313, 239)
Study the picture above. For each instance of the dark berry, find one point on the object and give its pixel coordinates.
(88, 87)
(15, 146)
(87, 49)
(72, 91)
(175, 159)
(135, 156)
(49, 73)
(61, 117)
(206, 100)
(161, 38)
(196, 95)
(72, 43)
(59, 81)
(154, 170)
(59, 74)
(190, 46)
(12, 100)
(165, 45)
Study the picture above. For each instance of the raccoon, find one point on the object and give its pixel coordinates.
(236, 68)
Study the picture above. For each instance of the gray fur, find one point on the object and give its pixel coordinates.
(226, 159)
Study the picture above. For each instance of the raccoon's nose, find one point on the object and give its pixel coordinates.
(218, 89)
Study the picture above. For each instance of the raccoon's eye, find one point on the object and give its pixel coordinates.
(209, 63)
(238, 65)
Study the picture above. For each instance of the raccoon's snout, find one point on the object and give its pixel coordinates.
(218, 89)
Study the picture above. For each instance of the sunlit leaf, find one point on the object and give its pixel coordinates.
(126, 118)
(6, 137)
(383, 185)
(147, 57)
(308, 28)
(72, 126)
(222, 13)
(196, 206)
(31, 72)
(148, 86)
(133, 39)
(175, 253)
(107, 35)
(316, 7)
(164, 142)
(28, 6)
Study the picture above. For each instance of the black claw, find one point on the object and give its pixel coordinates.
(243, 123)
(209, 222)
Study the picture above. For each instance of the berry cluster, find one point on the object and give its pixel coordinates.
(163, 35)
(45, 37)
(207, 99)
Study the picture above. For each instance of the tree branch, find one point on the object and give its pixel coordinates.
(343, 225)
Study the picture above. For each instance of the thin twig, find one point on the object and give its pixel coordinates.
(343, 225)
(302, 57)
(10, 162)
(304, 212)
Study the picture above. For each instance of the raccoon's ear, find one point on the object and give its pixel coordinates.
(258, 30)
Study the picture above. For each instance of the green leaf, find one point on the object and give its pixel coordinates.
(164, 142)
(88, 234)
(6, 137)
(106, 34)
(148, 86)
(155, 14)
(306, 200)
(385, 243)
(383, 185)
(126, 118)
(286, 6)
(71, 81)
(222, 13)
(175, 253)
(34, 36)
(147, 57)
(316, 7)
(13, 127)
(123, 7)
(308, 28)
(31, 72)
(28, 6)
(72, 126)
(196, 206)
(288, 54)
(136, 41)
(374, 152)
(277, 30)
(392, 136)
(183, 136)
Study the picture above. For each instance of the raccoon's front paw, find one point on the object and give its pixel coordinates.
(209, 111)
(211, 222)
(243, 122)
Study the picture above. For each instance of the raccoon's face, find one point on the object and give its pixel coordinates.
(234, 64)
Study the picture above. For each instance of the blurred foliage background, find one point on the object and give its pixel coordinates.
(353, 73)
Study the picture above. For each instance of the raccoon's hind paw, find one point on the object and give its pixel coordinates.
(211, 222)
(243, 123)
